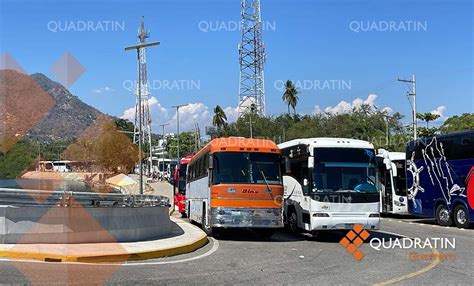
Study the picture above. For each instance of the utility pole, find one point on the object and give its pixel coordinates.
(177, 119)
(140, 48)
(163, 151)
(251, 131)
(412, 93)
(251, 59)
(387, 130)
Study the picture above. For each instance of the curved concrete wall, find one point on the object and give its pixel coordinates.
(42, 224)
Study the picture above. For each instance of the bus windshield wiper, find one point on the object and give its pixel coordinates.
(265, 179)
(370, 179)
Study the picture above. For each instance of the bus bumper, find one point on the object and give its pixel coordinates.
(344, 222)
(246, 218)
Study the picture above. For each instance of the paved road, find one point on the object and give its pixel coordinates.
(242, 258)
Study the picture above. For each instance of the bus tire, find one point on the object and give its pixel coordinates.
(205, 228)
(443, 216)
(292, 220)
(461, 218)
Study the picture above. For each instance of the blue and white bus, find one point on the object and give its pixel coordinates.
(439, 178)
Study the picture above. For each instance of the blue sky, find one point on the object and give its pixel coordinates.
(306, 41)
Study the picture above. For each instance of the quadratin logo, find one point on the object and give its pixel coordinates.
(353, 240)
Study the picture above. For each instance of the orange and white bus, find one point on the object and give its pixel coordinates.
(236, 183)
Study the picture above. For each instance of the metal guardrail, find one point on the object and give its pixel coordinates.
(26, 197)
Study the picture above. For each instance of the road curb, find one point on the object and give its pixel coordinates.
(118, 258)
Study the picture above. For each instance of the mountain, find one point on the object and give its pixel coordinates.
(68, 117)
(23, 103)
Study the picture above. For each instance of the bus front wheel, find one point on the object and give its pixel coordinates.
(443, 216)
(206, 228)
(461, 217)
(292, 222)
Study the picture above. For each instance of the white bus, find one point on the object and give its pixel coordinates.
(62, 166)
(392, 178)
(330, 184)
(163, 166)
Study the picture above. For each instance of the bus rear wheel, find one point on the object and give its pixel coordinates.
(443, 216)
(461, 217)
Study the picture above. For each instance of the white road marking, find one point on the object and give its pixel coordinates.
(214, 248)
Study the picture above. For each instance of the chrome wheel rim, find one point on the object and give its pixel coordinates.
(444, 215)
(461, 216)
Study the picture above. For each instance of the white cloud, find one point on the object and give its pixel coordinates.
(440, 110)
(102, 90)
(129, 114)
(346, 107)
(189, 115)
(156, 111)
(387, 110)
(232, 113)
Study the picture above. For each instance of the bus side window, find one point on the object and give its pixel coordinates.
(464, 148)
(201, 167)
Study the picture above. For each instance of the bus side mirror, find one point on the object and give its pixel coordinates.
(310, 162)
(211, 162)
(287, 165)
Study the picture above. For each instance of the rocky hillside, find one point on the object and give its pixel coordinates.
(69, 116)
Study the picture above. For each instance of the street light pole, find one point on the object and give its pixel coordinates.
(177, 119)
(137, 48)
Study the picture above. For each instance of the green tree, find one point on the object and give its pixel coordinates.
(126, 126)
(427, 117)
(219, 120)
(187, 145)
(461, 123)
(18, 159)
(290, 96)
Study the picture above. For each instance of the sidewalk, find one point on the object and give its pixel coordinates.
(184, 239)
(163, 188)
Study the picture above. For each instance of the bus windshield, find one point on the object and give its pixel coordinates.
(246, 168)
(344, 169)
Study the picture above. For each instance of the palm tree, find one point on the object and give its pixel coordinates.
(427, 117)
(219, 119)
(290, 96)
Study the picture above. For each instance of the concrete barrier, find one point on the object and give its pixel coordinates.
(76, 224)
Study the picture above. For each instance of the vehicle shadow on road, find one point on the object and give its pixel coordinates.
(250, 235)
(285, 236)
